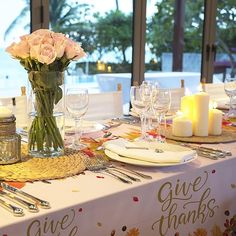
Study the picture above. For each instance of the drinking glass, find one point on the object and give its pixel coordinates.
(77, 100)
(146, 90)
(140, 101)
(230, 90)
(161, 101)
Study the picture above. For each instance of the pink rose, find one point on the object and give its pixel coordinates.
(42, 32)
(46, 54)
(73, 50)
(34, 40)
(45, 47)
(60, 42)
(35, 51)
(19, 50)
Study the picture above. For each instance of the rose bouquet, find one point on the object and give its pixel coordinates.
(45, 55)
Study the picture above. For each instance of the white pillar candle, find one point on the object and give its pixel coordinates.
(182, 127)
(5, 112)
(215, 122)
(200, 114)
(187, 106)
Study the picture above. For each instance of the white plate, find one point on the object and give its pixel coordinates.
(168, 115)
(86, 127)
(131, 161)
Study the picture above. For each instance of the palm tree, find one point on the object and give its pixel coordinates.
(117, 5)
(65, 18)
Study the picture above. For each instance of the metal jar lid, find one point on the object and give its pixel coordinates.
(7, 125)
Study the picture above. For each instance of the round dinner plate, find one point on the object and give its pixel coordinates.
(86, 127)
(168, 115)
(116, 157)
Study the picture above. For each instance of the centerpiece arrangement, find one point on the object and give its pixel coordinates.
(45, 55)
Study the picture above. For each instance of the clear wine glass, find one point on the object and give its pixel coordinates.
(161, 101)
(140, 101)
(230, 90)
(77, 100)
(146, 91)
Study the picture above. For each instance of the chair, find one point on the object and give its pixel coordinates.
(104, 105)
(18, 105)
(176, 95)
(216, 92)
(101, 106)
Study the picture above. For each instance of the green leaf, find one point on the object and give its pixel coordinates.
(58, 94)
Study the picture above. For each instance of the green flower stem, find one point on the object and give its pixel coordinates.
(44, 133)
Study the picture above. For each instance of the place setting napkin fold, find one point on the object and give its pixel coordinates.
(171, 153)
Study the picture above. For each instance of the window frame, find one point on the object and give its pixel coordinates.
(40, 19)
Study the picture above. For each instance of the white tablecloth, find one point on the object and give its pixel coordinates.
(191, 199)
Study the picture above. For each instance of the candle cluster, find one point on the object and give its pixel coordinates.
(197, 117)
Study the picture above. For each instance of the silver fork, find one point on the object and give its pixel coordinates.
(93, 165)
(100, 159)
(108, 164)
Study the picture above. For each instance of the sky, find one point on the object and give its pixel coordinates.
(9, 10)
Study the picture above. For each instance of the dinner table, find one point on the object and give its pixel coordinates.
(196, 197)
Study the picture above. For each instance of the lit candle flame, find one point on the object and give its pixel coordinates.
(200, 87)
(179, 113)
(187, 92)
(212, 104)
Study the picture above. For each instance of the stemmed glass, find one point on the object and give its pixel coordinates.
(77, 100)
(140, 101)
(161, 101)
(230, 90)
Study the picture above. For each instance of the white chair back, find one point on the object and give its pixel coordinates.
(216, 92)
(101, 106)
(18, 105)
(176, 95)
(104, 106)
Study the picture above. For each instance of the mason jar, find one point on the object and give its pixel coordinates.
(10, 141)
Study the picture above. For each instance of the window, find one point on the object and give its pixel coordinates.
(15, 22)
(225, 59)
(174, 32)
(105, 32)
(173, 43)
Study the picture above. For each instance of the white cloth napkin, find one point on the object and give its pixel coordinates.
(172, 153)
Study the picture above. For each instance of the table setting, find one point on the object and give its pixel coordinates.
(64, 175)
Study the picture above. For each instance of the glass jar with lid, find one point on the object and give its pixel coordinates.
(10, 141)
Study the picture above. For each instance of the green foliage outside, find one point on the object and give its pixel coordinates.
(112, 32)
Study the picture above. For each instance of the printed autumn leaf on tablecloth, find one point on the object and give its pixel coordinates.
(216, 231)
(199, 232)
(133, 232)
(230, 226)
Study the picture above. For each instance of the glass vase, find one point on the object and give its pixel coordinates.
(46, 114)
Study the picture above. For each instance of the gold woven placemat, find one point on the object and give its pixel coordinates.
(31, 169)
(228, 135)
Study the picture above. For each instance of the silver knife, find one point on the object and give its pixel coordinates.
(16, 211)
(216, 152)
(42, 203)
(207, 155)
(28, 205)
